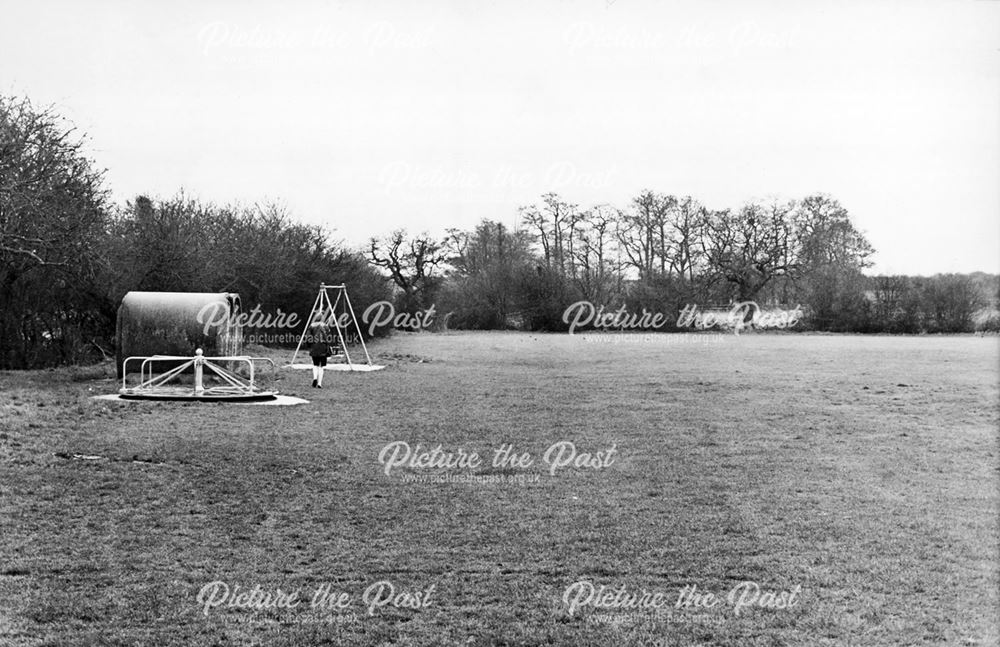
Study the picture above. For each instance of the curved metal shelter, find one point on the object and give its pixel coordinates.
(178, 323)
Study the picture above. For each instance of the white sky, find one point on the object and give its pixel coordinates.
(368, 116)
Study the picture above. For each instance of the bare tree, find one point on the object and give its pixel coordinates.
(555, 225)
(826, 236)
(52, 214)
(411, 263)
(599, 274)
(685, 247)
(50, 194)
(751, 247)
(642, 233)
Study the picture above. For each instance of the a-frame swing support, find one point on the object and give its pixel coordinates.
(327, 309)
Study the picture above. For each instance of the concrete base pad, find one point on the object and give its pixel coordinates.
(339, 367)
(277, 401)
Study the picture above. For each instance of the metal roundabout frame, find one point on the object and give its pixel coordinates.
(233, 387)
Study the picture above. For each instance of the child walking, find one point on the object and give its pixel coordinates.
(319, 351)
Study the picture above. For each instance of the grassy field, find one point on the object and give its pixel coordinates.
(859, 473)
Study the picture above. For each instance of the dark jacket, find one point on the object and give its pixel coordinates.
(320, 346)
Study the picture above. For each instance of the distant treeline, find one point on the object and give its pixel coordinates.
(68, 253)
(663, 252)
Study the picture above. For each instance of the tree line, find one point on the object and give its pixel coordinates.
(69, 252)
(663, 252)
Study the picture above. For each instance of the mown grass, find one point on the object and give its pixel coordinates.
(862, 469)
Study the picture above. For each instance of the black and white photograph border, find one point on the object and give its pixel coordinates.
(611, 322)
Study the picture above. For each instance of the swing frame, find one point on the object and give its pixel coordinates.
(327, 310)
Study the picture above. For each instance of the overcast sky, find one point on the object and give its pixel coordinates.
(369, 116)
